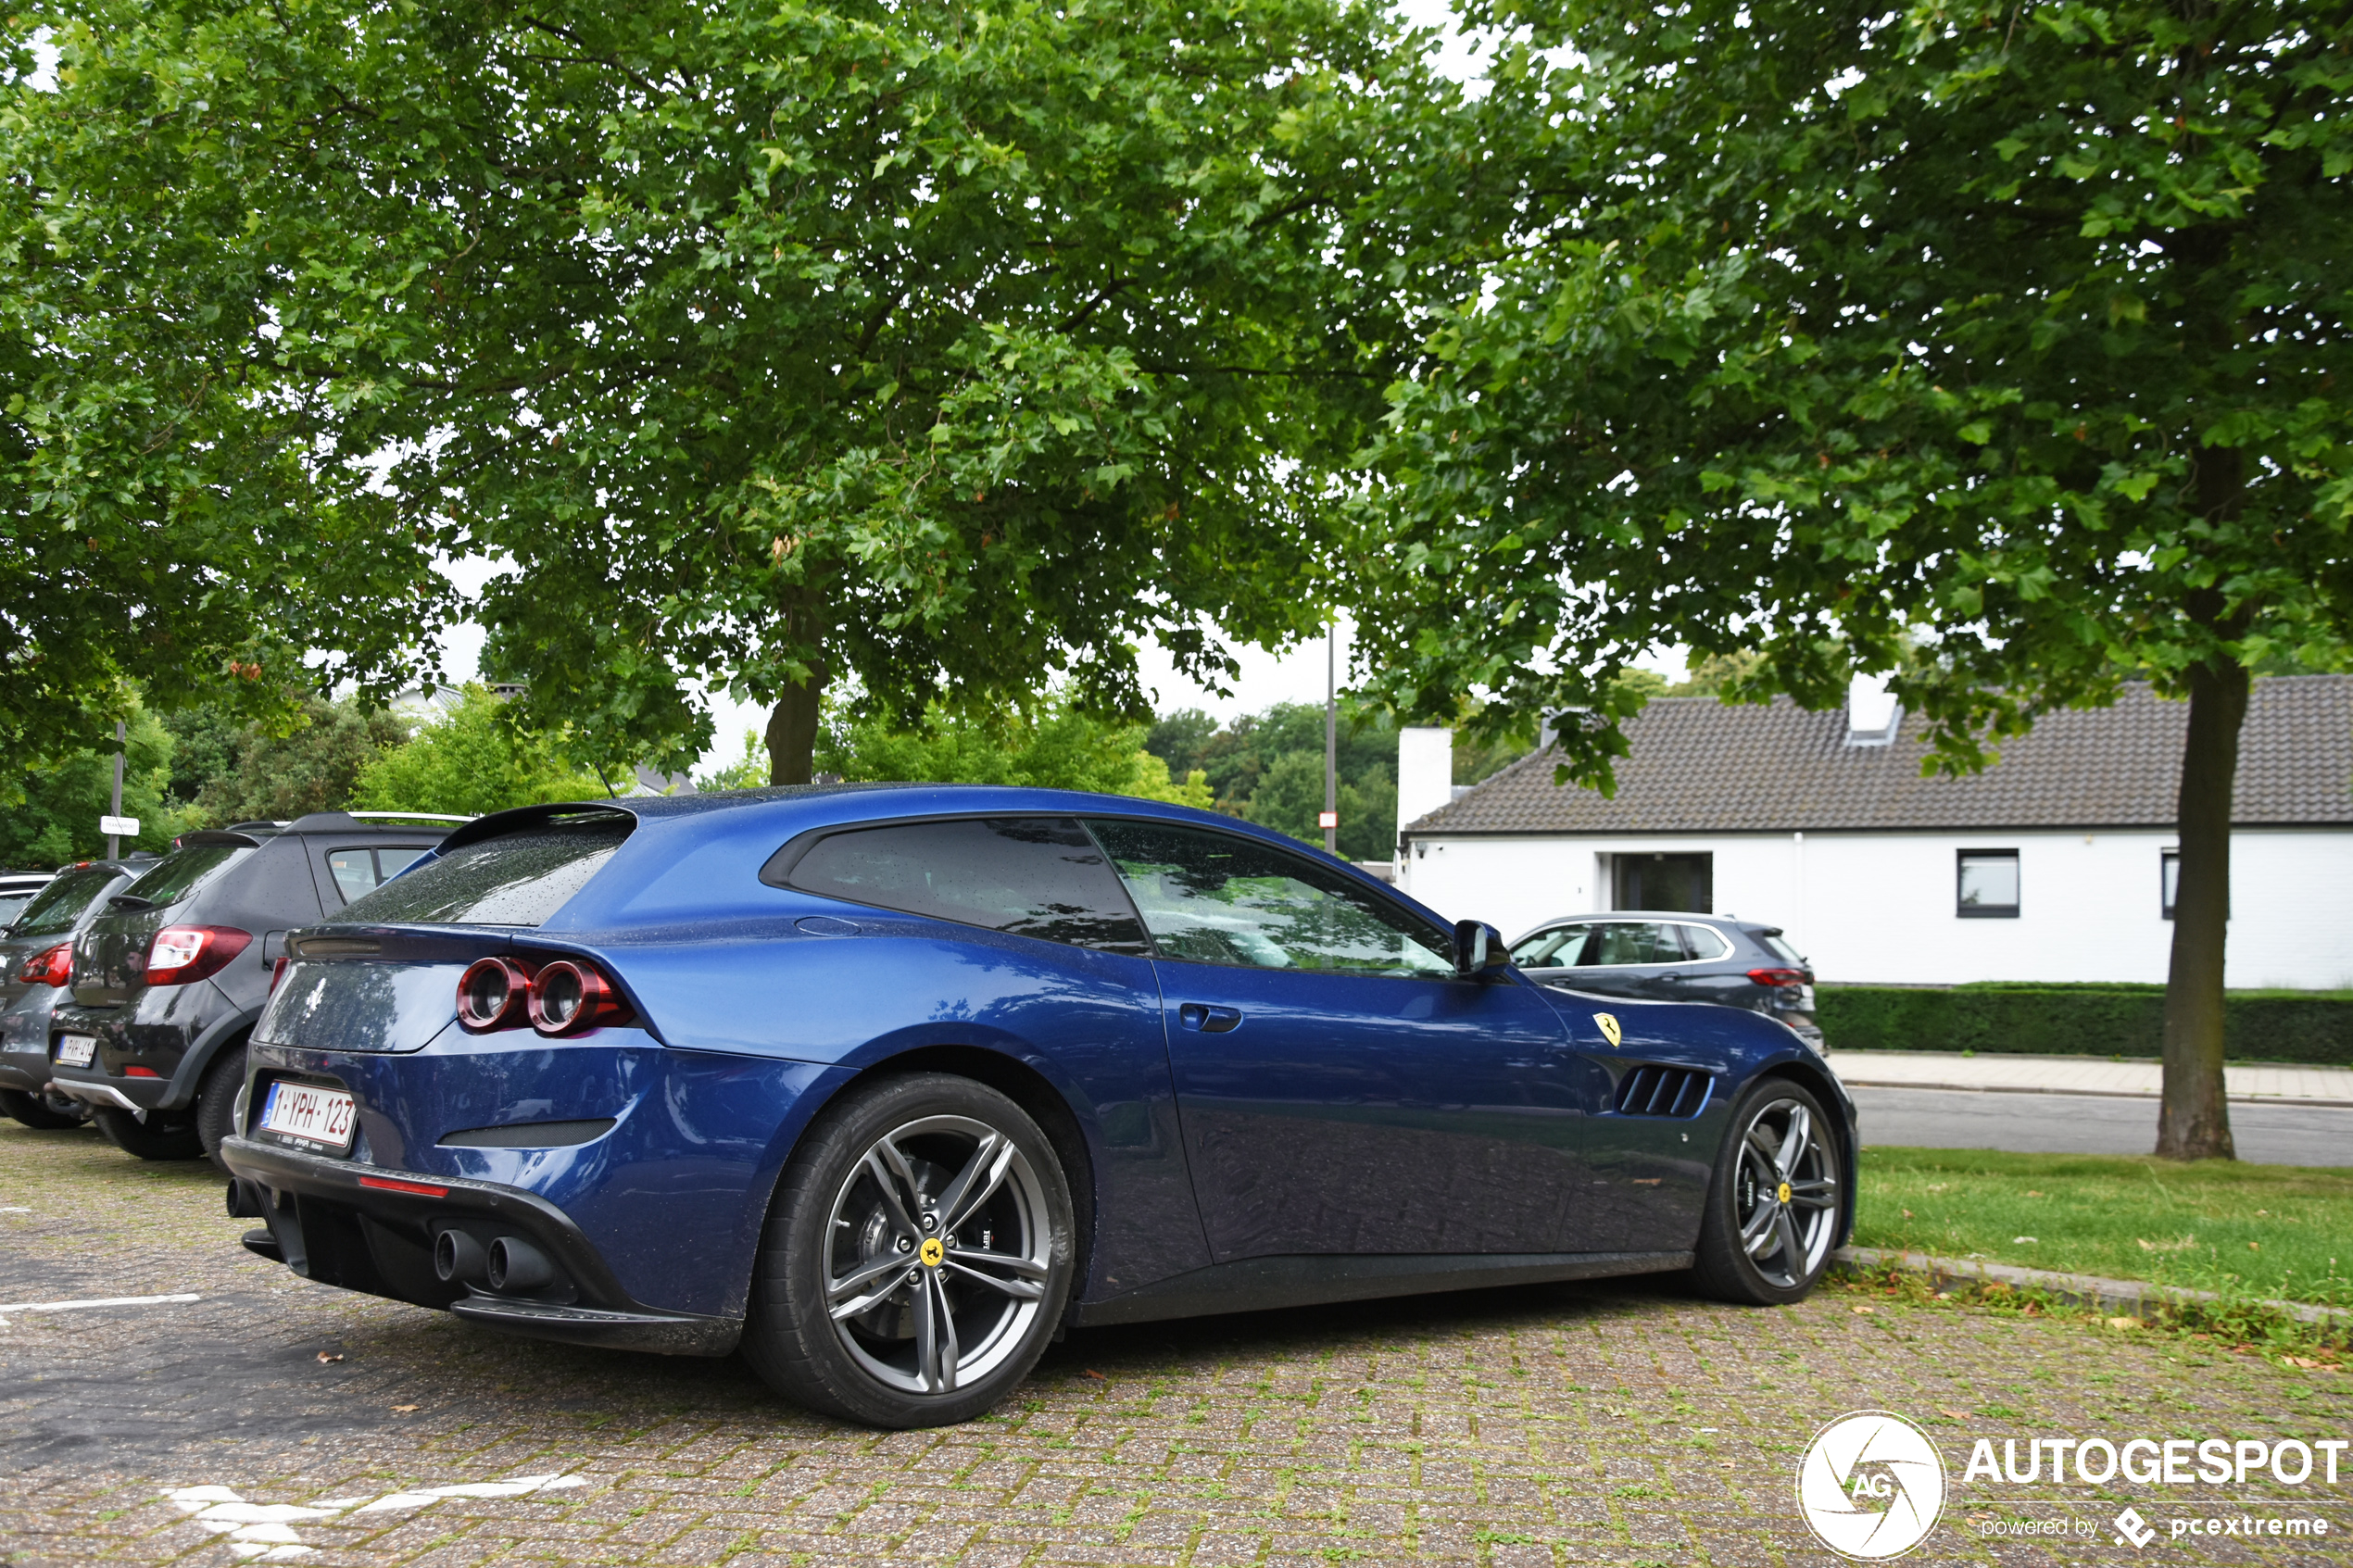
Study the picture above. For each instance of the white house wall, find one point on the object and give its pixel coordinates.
(1879, 907)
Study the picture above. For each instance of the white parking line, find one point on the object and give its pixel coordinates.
(103, 1301)
(265, 1531)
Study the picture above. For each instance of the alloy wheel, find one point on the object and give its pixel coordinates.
(938, 1256)
(1785, 1194)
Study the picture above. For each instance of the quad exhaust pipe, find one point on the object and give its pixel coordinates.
(508, 1264)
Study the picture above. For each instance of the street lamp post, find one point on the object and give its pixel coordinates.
(1331, 739)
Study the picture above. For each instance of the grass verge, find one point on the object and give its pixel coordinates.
(2244, 1231)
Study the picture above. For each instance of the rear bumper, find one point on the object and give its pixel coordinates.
(369, 1229)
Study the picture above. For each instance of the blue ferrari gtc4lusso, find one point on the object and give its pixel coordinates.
(886, 1086)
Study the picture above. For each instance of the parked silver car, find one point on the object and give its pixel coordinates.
(36, 962)
(1670, 956)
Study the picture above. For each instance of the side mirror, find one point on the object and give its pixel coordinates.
(1478, 947)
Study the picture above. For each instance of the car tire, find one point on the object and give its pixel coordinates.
(216, 1107)
(1773, 1211)
(165, 1135)
(861, 1219)
(50, 1113)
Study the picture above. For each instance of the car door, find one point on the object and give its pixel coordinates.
(1340, 1088)
(1707, 972)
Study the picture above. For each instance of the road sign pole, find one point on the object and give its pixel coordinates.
(1331, 739)
(114, 842)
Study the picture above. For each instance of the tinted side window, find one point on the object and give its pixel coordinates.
(1217, 900)
(359, 870)
(355, 871)
(56, 907)
(1556, 948)
(1702, 943)
(1031, 876)
(181, 872)
(516, 879)
(1633, 941)
(11, 903)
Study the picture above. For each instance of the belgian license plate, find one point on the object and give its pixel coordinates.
(75, 1050)
(307, 1113)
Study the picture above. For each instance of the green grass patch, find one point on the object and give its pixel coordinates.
(2283, 1231)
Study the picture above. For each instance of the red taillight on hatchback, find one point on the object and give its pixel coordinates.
(563, 997)
(570, 995)
(53, 967)
(1779, 976)
(182, 953)
(490, 995)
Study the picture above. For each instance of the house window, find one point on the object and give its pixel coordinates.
(1663, 881)
(2168, 880)
(1988, 884)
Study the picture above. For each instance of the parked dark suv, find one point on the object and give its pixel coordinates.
(36, 960)
(1668, 956)
(167, 982)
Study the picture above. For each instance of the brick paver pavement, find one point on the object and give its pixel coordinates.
(1628, 1424)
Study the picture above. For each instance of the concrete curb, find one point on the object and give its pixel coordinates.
(2125, 1298)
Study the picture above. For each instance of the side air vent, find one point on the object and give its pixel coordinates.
(1663, 1091)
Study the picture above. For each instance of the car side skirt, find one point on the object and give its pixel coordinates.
(1255, 1284)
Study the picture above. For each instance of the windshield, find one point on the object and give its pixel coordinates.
(516, 879)
(54, 907)
(181, 872)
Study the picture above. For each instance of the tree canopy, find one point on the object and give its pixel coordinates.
(943, 349)
(2014, 334)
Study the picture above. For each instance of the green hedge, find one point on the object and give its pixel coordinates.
(2314, 1026)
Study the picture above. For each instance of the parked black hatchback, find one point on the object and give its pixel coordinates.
(1668, 956)
(166, 983)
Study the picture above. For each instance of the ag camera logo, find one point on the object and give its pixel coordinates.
(1871, 1485)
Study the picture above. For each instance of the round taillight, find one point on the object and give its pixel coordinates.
(490, 994)
(567, 997)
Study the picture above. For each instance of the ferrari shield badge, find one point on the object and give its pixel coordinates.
(1607, 1024)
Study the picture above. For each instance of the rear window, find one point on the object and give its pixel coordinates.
(11, 904)
(57, 907)
(180, 874)
(1781, 949)
(515, 879)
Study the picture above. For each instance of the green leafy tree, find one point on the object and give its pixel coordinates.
(169, 521)
(945, 349)
(1268, 767)
(477, 759)
(315, 766)
(1059, 746)
(2017, 331)
(59, 801)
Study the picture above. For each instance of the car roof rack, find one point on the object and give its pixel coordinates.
(347, 821)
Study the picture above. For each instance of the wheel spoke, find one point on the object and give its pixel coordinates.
(1821, 1192)
(1019, 1290)
(847, 1297)
(1794, 1143)
(1006, 1260)
(945, 1352)
(981, 1176)
(894, 1204)
(1793, 1256)
(1759, 1229)
(1757, 1146)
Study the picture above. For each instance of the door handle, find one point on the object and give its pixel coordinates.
(1671, 977)
(1208, 1020)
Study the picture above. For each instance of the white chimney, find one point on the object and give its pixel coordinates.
(1425, 772)
(1872, 713)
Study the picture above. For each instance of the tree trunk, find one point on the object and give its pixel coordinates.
(2195, 1121)
(792, 730)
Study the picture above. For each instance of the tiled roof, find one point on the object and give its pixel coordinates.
(1701, 766)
